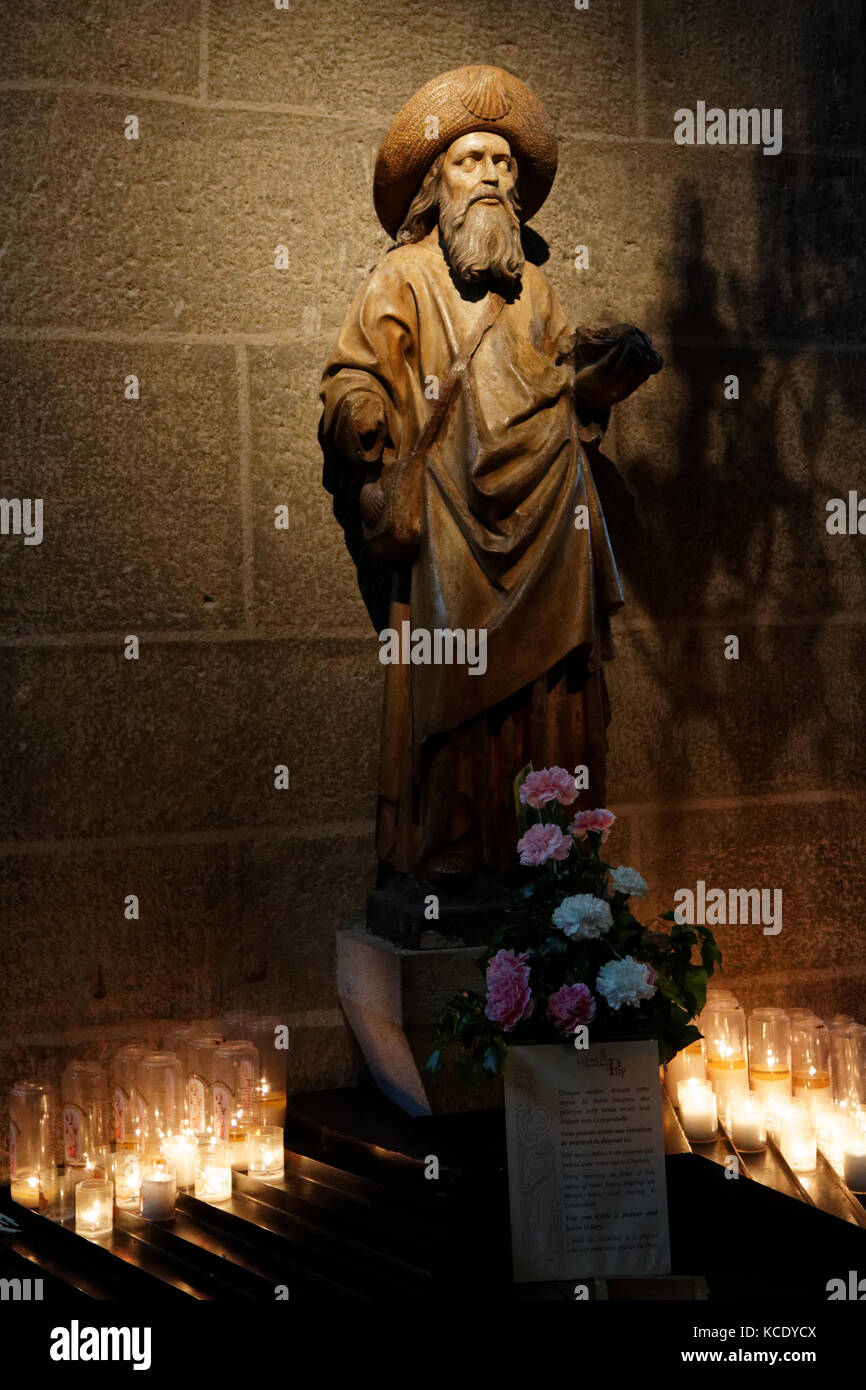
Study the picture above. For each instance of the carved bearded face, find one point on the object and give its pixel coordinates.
(473, 188)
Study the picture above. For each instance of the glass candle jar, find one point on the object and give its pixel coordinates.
(854, 1164)
(798, 1136)
(213, 1170)
(236, 1072)
(180, 1151)
(94, 1207)
(770, 1052)
(847, 1065)
(690, 1061)
(265, 1155)
(125, 1102)
(810, 1058)
(86, 1124)
(178, 1036)
(61, 1204)
(699, 1114)
(269, 1037)
(158, 1191)
(127, 1179)
(33, 1134)
(161, 1083)
(724, 1030)
(747, 1123)
(833, 1134)
(199, 1081)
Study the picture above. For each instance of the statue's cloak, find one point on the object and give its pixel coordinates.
(506, 482)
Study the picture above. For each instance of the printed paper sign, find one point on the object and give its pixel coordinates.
(586, 1169)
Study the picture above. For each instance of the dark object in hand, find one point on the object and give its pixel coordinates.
(610, 363)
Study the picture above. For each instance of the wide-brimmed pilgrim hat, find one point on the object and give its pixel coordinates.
(465, 100)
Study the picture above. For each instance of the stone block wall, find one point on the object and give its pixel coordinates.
(155, 257)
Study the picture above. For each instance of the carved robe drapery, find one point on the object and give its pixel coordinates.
(500, 551)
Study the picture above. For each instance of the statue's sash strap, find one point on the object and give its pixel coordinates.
(394, 529)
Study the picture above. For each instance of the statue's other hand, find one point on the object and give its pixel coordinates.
(367, 427)
(619, 371)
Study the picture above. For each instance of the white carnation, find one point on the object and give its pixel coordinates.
(583, 917)
(625, 981)
(629, 881)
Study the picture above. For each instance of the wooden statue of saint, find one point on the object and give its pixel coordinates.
(460, 417)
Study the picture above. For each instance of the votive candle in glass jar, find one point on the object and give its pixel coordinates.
(125, 1101)
(94, 1207)
(127, 1178)
(770, 1052)
(236, 1072)
(213, 1170)
(180, 1150)
(810, 1059)
(33, 1133)
(798, 1137)
(724, 1030)
(86, 1111)
(699, 1110)
(854, 1164)
(747, 1123)
(265, 1155)
(833, 1135)
(689, 1061)
(847, 1066)
(199, 1081)
(158, 1191)
(268, 1035)
(161, 1083)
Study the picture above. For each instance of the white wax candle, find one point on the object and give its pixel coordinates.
(747, 1125)
(769, 1082)
(214, 1184)
(238, 1147)
(180, 1151)
(698, 1110)
(797, 1136)
(854, 1170)
(25, 1191)
(158, 1194)
(688, 1062)
(94, 1207)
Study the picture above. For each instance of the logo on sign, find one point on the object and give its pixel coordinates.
(222, 1109)
(118, 1104)
(195, 1104)
(72, 1117)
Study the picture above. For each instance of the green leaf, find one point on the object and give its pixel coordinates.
(434, 1061)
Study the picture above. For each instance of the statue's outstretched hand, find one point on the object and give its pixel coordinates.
(623, 359)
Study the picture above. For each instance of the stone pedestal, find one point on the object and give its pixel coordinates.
(392, 996)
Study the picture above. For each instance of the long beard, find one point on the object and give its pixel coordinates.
(481, 241)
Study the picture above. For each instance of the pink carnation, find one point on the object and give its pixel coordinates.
(550, 784)
(569, 1007)
(585, 821)
(509, 998)
(543, 842)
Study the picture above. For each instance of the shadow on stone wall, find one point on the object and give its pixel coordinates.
(731, 523)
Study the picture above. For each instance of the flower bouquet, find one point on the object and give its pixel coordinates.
(571, 959)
